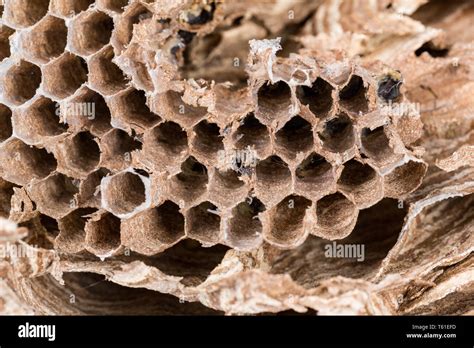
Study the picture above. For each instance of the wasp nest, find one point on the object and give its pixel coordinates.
(213, 151)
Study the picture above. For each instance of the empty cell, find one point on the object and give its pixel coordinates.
(64, 76)
(336, 216)
(87, 110)
(154, 230)
(124, 29)
(225, 187)
(376, 145)
(353, 96)
(103, 234)
(245, 228)
(72, 234)
(274, 101)
(314, 175)
(5, 33)
(24, 13)
(6, 193)
(296, 136)
(361, 182)
(191, 182)
(20, 163)
(286, 228)
(131, 110)
(337, 134)
(6, 128)
(273, 176)
(78, 155)
(68, 8)
(165, 144)
(90, 31)
(89, 189)
(55, 196)
(105, 75)
(207, 139)
(45, 41)
(113, 5)
(175, 108)
(404, 179)
(318, 97)
(21, 82)
(125, 193)
(117, 147)
(251, 133)
(37, 121)
(203, 223)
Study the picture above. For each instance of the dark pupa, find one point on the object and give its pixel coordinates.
(389, 85)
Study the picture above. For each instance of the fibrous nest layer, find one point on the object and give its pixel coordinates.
(209, 157)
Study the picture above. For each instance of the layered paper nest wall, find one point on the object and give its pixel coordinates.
(201, 157)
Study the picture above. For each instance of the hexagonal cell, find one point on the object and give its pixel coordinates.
(20, 163)
(286, 226)
(55, 196)
(203, 223)
(37, 121)
(337, 134)
(245, 227)
(64, 76)
(166, 144)
(45, 41)
(353, 96)
(72, 234)
(318, 97)
(105, 76)
(296, 136)
(314, 176)
(190, 183)
(77, 155)
(42, 231)
(103, 235)
(154, 230)
(404, 179)
(87, 110)
(272, 176)
(225, 187)
(273, 102)
(125, 194)
(336, 216)
(6, 121)
(207, 140)
(68, 8)
(112, 5)
(89, 189)
(376, 145)
(5, 33)
(135, 61)
(6, 193)
(172, 107)
(362, 183)
(124, 27)
(90, 31)
(116, 149)
(130, 111)
(251, 133)
(24, 13)
(21, 82)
